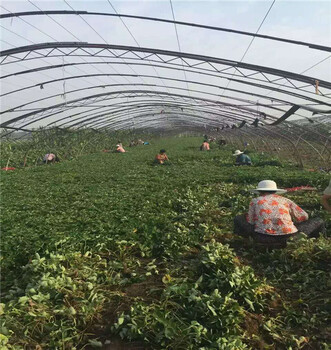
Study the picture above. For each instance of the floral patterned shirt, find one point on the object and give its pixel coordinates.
(272, 214)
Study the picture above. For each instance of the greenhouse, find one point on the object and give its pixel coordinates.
(141, 250)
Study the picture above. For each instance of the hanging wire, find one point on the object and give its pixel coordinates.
(3, 71)
(103, 41)
(73, 35)
(127, 28)
(178, 43)
(304, 71)
(316, 64)
(20, 64)
(30, 40)
(31, 25)
(22, 37)
(135, 40)
(179, 47)
(250, 44)
(64, 82)
(35, 43)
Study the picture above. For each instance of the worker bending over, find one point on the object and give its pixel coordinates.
(272, 219)
(161, 158)
(241, 158)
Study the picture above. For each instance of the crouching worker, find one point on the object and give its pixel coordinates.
(161, 158)
(205, 146)
(50, 158)
(119, 148)
(241, 158)
(270, 218)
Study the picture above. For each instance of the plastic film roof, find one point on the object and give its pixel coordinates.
(251, 66)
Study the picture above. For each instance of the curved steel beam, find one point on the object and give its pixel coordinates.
(150, 64)
(171, 79)
(197, 70)
(209, 109)
(133, 120)
(97, 116)
(102, 47)
(135, 108)
(65, 104)
(143, 92)
(131, 84)
(126, 121)
(182, 104)
(167, 94)
(93, 121)
(177, 67)
(293, 94)
(190, 24)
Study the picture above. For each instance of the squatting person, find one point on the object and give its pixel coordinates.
(119, 148)
(241, 158)
(50, 158)
(270, 217)
(161, 158)
(205, 146)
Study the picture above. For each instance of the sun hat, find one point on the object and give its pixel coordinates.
(267, 186)
(237, 153)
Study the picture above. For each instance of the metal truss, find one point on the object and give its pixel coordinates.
(162, 20)
(48, 112)
(243, 111)
(216, 65)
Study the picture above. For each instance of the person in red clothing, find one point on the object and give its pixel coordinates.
(205, 146)
(273, 218)
(119, 148)
(161, 157)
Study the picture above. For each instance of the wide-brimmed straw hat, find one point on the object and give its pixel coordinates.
(267, 186)
(237, 153)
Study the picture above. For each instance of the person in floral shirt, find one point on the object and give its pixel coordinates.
(273, 218)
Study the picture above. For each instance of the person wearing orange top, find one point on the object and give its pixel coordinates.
(273, 219)
(205, 146)
(161, 157)
(119, 148)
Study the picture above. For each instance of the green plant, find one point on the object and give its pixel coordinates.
(115, 234)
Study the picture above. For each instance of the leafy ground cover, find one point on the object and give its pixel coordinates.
(107, 247)
(66, 144)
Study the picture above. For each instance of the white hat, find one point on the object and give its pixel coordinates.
(237, 153)
(118, 145)
(268, 186)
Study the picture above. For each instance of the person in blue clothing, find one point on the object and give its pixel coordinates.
(241, 158)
